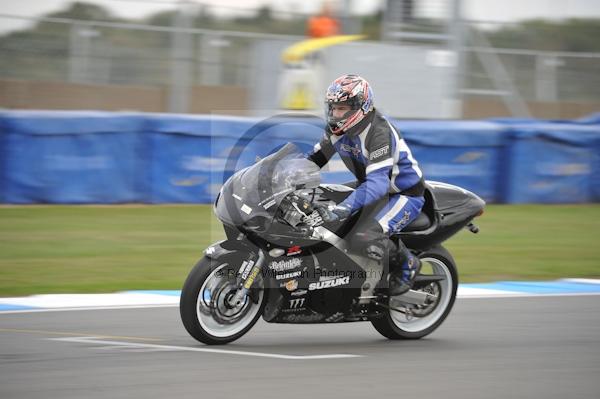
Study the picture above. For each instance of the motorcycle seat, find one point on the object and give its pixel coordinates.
(425, 219)
(422, 222)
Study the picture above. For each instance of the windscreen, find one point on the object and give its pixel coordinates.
(252, 195)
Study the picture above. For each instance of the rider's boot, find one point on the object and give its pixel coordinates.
(403, 266)
(404, 269)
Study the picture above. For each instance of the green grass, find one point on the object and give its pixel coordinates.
(49, 249)
(530, 242)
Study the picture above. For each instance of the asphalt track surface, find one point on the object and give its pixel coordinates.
(537, 347)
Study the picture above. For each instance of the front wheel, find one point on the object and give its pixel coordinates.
(204, 305)
(416, 321)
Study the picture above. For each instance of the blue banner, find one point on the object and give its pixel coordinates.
(464, 153)
(552, 163)
(189, 157)
(70, 158)
(103, 157)
(3, 162)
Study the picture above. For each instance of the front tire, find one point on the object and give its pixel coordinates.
(203, 306)
(420, 322)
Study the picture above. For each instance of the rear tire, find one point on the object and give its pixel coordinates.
(395, 325)
(202, 305)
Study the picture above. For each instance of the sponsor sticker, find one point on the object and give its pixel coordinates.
(295, 250)
(287, 264)
(297, 303)
(329, 283)
(353, 150)
(245, 269)
(291, 285)
(402, 223)
(380, 152)
(251, 278)
(246, 209)
(288, 275)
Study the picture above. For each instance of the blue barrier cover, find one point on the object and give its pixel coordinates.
(592, 119)
(452, 133)
(70, 157)
(190, 156)
(199, 125)
(3, 153)
(103, 157)
(513, 121)
(552, 163)
(70, 122)
(464, 153)
(286, 127)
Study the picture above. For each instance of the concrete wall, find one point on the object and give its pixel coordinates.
(232, 100)
(476, 108)
(21, 94)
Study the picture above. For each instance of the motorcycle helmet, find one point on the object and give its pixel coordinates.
(350, 90)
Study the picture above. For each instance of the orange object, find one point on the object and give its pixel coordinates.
(323, 26)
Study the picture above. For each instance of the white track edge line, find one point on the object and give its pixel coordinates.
(91, 340)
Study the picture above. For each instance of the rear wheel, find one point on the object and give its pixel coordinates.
(204, 305)
(408, 321)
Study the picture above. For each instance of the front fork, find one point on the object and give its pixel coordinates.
(249, 270)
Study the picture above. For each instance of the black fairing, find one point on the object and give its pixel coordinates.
(310, 299)
(449, 208)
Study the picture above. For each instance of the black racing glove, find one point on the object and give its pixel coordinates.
(338, 213)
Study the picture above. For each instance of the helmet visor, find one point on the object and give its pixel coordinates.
(353, 103)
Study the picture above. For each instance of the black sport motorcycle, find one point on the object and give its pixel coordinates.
(281, 261)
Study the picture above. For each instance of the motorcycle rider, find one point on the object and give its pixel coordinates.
(390, 185)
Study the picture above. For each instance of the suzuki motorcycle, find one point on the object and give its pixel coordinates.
(281, 261)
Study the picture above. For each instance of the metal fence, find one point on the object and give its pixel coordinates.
(520, 77)
(110, 53)
(147, 55)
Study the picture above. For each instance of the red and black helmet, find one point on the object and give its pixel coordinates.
(349, 90)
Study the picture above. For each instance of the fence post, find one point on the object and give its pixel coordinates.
(545, 77)
(181, 51)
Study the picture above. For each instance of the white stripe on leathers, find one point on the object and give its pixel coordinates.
(389, 215)
(401, 146)
(382, 164)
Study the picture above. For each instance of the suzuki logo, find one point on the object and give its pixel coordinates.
(329, 283)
